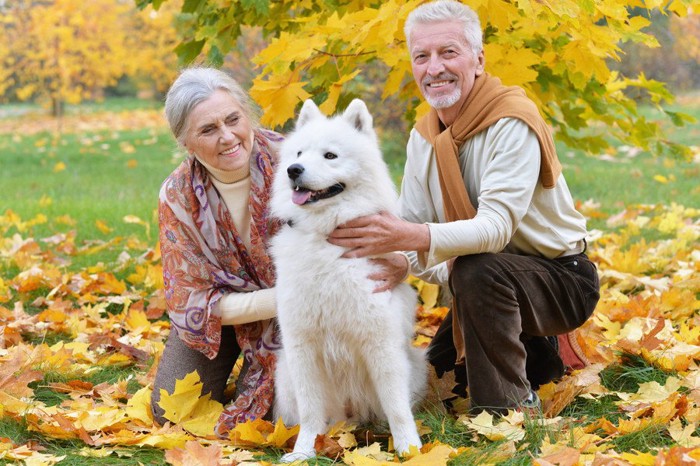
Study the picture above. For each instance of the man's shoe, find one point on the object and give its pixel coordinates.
(531, 406)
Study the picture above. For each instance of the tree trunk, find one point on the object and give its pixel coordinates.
(58, 107)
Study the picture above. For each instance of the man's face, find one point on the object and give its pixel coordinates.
(444, 64)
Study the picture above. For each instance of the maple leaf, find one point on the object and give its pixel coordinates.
(278, 96)
(139, 406)
(137, 322)
(371, 455)
(507, 429)
(326, 446)
(187, 407)
(437, 454)
(15, 375)
(652, 391)
(281, 435)
(565, 457)
(194, 454)
(260, 432)
(683, 435)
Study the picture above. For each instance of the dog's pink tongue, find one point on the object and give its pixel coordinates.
(300, 197)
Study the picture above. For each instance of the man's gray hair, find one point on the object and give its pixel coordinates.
(195, 85)
(447, 10)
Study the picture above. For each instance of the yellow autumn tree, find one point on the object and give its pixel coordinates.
(151, 43)
(63, 51)
(557, 51)
(689, 29)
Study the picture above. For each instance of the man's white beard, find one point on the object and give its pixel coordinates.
(444, 101)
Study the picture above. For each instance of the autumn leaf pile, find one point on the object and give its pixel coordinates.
(62, 329)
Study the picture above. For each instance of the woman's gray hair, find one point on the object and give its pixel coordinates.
(195, 85)
(447, 10)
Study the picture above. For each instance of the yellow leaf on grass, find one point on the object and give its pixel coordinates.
(371, 455)
(639, 459)
(186, 407)
(509, 428)
(194, 454)
(655, 392)
(439, 455)
(137, 322)
(103, 227)
(281, 434)
(683, 435)
(100, 417)
(139, 406)
(249, 432)
(45, 201)
(564, 456)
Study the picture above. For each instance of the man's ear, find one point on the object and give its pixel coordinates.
(309, 111)
(481, 58)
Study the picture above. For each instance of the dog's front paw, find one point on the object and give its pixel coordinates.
(297, 456)
(403, 446)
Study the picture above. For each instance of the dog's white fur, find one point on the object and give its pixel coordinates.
(347, 351)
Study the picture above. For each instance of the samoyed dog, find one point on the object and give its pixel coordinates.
(347, 352)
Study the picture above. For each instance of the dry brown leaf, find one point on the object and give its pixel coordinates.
(194, 454)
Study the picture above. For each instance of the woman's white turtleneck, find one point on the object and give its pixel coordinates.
(245, 307)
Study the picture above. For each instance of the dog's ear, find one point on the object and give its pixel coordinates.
(309, 111)
(358, 116)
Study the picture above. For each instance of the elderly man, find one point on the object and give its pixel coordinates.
(485, 210)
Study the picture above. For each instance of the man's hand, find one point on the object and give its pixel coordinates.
(393, 269)
(374, 235)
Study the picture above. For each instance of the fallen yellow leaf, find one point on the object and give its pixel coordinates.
(186, 407)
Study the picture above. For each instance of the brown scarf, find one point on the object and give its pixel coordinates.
(488, 102)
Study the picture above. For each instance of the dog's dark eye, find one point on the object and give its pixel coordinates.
(330, 155)
(299, 154)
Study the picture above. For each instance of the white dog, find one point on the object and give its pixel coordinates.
(347, 351)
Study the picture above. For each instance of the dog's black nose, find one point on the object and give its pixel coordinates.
(294, 170)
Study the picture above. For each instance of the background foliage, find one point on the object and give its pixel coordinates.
(559, 52)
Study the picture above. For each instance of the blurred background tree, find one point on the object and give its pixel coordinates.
(57, 52)
(586, 64)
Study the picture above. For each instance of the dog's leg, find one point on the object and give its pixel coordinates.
(305, 376)
(392, 373)
(285, 400)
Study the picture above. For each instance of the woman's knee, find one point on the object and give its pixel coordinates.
(157, 412)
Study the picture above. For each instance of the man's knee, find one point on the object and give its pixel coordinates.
(472, 272)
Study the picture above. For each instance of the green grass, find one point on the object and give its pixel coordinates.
(100, 181)
(97, 183)
(629, 181)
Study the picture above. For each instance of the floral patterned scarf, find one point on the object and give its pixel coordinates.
(204, 258)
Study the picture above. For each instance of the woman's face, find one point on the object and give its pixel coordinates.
(219, 132)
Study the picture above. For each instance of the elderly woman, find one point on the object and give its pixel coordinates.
(214, 228)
